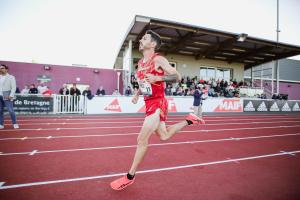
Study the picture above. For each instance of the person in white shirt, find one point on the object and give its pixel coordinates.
(116, 92)
(25, 90)
(7, 93)
(42, 88)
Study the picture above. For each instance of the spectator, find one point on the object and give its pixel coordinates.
(168, 90)
(63, 99)
(64, 90)
(33, 89)
(116, 92)
(7, 93)
(88, 93)
(74, 91)
(197, 104)
(100, 91)
(47, 92)
(25, 90)
(42, 88)
(18, 91)
(128, 91)
(179, 91)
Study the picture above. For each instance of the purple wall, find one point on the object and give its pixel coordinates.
(27, 73)
(292, 89)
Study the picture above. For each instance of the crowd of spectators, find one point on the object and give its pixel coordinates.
(213, 88)
(32, 89)
(186, 87)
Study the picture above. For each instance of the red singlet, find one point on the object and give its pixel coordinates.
(157, 99)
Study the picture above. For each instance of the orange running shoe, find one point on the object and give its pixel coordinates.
(195, 119)
(121, 183)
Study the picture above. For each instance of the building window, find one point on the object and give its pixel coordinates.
(207, 73)
(225, 74)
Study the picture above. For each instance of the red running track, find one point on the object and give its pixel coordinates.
(231, 157)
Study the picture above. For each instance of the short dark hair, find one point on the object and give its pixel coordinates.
(5, 66)
(155, 37)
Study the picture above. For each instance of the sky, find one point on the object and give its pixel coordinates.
(90, 32)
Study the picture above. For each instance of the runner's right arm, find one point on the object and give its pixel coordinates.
(136, 97)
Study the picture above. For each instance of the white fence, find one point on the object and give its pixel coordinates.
(69, 104)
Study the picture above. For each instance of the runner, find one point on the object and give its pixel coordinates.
(153, 70)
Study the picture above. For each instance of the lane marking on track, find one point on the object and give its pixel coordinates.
(170, 116)
(148, 171)
(237, 162)
(122, 127)
(49, 137)
(33, 152)
(141, 121)
(136, 133)
(288, 153)
(150, 145)
(24, 138)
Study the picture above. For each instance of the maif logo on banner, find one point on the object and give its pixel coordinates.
(229, 105)
(114, 106)
(171, 106)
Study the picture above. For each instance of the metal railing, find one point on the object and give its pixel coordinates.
(64, 104)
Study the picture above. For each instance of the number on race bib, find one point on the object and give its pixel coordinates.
(145, 88)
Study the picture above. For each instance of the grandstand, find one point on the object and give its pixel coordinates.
(205, 53)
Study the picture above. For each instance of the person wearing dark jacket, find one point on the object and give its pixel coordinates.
(33, 89)
(64, 90)
(100, 91)
(88, 93)
(75, 92)
(197, 104)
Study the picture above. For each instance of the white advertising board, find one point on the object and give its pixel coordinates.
(121, 104)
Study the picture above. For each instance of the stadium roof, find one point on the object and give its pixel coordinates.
(200, 42)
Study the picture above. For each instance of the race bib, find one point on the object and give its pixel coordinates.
(145, 88)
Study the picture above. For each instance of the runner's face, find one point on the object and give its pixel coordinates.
(145, 42)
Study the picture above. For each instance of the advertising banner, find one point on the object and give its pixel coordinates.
(33, 104)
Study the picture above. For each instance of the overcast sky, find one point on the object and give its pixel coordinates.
(89, 32)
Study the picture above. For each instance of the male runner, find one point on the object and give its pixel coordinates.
(153, 70)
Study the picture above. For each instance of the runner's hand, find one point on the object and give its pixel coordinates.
(135, 99)
(151, 78)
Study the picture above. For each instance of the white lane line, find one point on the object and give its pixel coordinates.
(24, 138)
(237, 162)
(141, 121)
(288, 153)
(49, 137)
(122, 127)
(33, 152)
(274, 116)
(136, 133)
(154, 144)
(148, 171)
